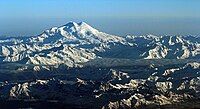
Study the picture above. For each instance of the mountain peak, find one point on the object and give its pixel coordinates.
(74, 24)
(71, 24)
(79, 26)
(82, 23)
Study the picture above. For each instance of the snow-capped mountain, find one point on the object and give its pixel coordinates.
(75, 43)
(69, 44)
(170, 47)
(79, 66)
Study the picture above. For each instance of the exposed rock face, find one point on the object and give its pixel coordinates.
(113, 88)
(20, 91)
(164, 86)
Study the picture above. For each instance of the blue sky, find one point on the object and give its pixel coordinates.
(120, 17)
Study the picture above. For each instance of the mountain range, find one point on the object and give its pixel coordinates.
(79, 42)
(82, 67)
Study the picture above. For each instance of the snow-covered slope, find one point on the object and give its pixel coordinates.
(170, 47)
(69, 44)
(76, 43)
(78, 65)
(138, 86)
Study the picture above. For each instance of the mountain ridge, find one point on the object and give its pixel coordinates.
(75, 64)
(74, 43)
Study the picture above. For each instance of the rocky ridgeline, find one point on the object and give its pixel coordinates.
(114, 88)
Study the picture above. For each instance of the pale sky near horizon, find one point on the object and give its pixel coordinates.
(119, 17)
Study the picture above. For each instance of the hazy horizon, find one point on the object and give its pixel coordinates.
(128, 17)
